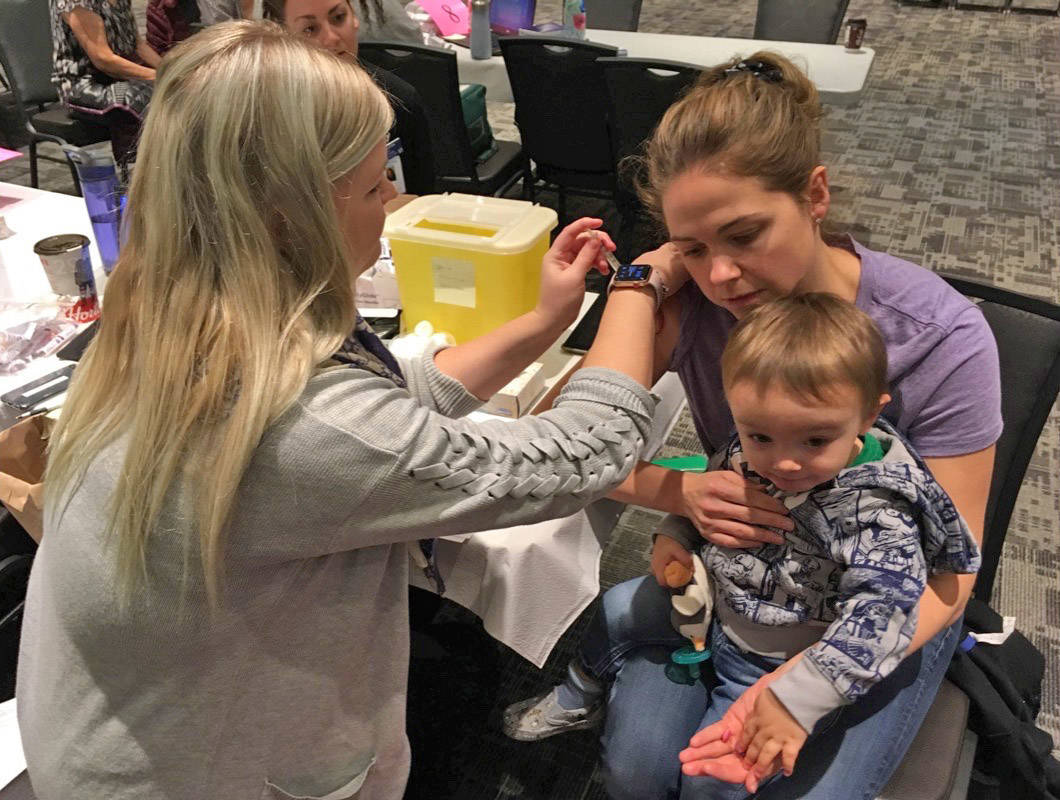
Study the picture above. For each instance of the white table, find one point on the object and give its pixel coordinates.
(25, 293)
(529, 583)
(34, 214)
(838, 73)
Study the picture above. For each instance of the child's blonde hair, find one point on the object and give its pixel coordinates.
(808, 344)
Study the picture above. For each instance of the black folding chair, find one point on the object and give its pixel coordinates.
(1027, 331)
(639, 91)
(613, 15)
(432, 71)
(815, 21)
(26, 56)
(561, 109)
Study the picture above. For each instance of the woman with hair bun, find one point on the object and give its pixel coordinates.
(733, 171)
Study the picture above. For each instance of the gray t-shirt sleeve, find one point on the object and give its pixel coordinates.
(682, 531)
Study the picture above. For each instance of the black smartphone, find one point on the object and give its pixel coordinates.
(581, 338)
(36, 392)
(72, 350)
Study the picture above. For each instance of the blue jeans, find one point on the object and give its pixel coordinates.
(850, 754)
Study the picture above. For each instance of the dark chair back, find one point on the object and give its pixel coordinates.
(613, 15)
(26, 50)
(815, 21)
(561, 107)
(14, 578)
(1027, 331)
(639, 91)
(432, 72)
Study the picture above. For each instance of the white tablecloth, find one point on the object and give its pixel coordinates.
(25, 294)
(838, 74)
(528, 584)
(34, 214)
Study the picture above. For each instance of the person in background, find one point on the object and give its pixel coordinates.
(733, 170)
(334, 25)
(213, 11)
(387, 21)
(172, 21)
(102, 67)
(242, 473)
(169, 22)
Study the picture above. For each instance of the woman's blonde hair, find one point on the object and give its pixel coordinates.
(757, 117)
(808, 344)
(234, 283)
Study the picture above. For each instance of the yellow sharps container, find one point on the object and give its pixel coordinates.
(467, 263)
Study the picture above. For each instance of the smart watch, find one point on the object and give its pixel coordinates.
(636, 275)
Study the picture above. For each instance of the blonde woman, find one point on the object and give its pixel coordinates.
(218, 608)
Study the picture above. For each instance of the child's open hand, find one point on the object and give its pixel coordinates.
(770, 732)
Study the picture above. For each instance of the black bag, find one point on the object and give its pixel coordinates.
(13, 133)
(1004, 684)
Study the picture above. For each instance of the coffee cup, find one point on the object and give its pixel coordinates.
(66, 263)
(855, 33)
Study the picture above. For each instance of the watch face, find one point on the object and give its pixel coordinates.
(633, 272)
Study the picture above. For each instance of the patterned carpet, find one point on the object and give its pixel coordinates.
(951, 159)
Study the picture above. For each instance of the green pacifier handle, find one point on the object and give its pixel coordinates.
(683, 463)
(691, 658)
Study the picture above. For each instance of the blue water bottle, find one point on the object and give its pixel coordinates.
(103, 198)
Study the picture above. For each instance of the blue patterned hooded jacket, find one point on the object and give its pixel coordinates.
(845, 584)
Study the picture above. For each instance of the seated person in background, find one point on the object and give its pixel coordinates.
(213, 11)
(169, 22)
(805, 377)
(333, 25)
(103, 67)
(172, 21)
(387, 21)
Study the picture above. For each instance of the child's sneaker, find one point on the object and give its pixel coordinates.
(542, 716)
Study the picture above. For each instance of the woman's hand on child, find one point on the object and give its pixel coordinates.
(663, 552)
(769, 733)
(731, 512)
(572, 256)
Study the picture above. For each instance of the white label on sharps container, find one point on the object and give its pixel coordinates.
(454, 281)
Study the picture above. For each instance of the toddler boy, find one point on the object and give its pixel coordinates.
(805, 378)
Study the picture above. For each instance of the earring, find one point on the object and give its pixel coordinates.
(816, 220)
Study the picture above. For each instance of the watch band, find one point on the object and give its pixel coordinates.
(655, 281)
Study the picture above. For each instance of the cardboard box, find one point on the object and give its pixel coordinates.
(22, 459)
(518, 396)
(377, 286)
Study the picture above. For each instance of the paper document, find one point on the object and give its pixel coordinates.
(12, 759)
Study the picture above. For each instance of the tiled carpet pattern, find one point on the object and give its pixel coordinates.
(952, 159)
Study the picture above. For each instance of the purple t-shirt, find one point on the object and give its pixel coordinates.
(942, 359)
